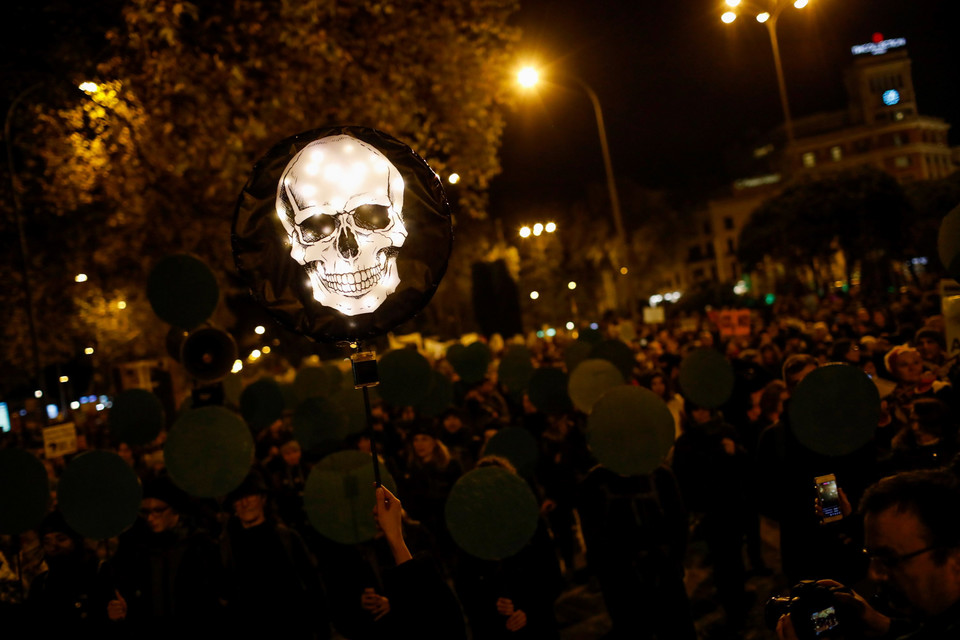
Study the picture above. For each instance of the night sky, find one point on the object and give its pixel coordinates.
(681, 90)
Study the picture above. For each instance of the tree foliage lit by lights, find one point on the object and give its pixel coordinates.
(189, 95)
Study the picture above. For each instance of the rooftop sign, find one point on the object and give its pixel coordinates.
(879, 46)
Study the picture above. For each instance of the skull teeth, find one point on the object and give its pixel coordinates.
(357, 282)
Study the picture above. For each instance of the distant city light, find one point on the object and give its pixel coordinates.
(528, 77)
(570, 326)
(770, 298)
(550, 227)
(623, 271)
(594, 326)
(655, 300)
(88, 87)
(534, 295)
(237, 367)
(728, 17)
(740, 288)
(74, 405)
(266, 349)
(454, 178)
(539, 334)
(121, 305)
(571, 285)
(88, 351)
(537, 229)
(254, 355)
(100, 406)
(551, 332)
(732, 3)
(64, 379)
(80, 277)
(260, 330)
(800, 4)
(38, 394)
(763, 17)
(524, 232)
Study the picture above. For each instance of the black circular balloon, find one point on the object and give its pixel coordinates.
(183, 290)
(706, 378)
(99, 494)
(470, 362)
(208, 452)
(516, 369)
(517, 445)
(342, 233)
(24, 491)
(405, 378)
(576, 352)
(834, 410)
(136, 416)
(439, 396)
(616, 352)
(630, 430)
(262, 403)
(548, 390)
(314, 382)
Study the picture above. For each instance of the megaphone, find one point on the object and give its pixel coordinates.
(208, 354)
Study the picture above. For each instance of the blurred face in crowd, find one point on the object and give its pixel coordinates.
(929, 348)
(915, 584)
(291, 454)
(908, 367)
(658, 386)
(159, 515)
(700, 416)
(250, 509)
(423, 446)
(123, 450)
(57, 544)
(452, 423)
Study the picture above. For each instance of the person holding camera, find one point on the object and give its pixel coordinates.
(912, 538)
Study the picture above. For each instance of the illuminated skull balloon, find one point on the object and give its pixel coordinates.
(342, 233)
(341, 203)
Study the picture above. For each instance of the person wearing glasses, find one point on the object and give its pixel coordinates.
(912, 539)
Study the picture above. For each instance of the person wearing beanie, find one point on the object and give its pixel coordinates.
(930, 344)
(269, 576)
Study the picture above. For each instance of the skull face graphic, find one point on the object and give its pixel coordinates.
(341, 203)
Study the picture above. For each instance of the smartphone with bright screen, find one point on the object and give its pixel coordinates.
(4, 418)
(829, 497)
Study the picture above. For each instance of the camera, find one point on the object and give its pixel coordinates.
(813, 610)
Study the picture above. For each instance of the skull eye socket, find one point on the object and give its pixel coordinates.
(317, 227)
(372, 216)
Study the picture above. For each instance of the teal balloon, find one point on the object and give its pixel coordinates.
(616, 352)
(339, 497)
(183, 291)
(630, 430)
(590, 380)
(471, 362)
(319, 422)
(491, 513)
(99, 495)
(516, 445)
(405, 377)
(575, 353)
(208, 452)
(262, 403)
(706, 378)
(834, 410)
(516, 369)
(233, 388)
(948, 242)
(136, 416)
(548, 390)
(24, 491)
(439, 396)
(314, 382)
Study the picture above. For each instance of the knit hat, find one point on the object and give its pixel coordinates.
(253, 484)
(890, 360)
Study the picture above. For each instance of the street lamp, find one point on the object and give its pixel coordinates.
(767, 13)
(528, 77)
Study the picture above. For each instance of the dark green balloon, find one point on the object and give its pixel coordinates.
(183, 291)
(350, 401)
(314, 382)
(834, 410)
(616, 352)
(516, 369)
(591, 336)
(630, 430)
(24, 491)
(262, 403)
(439, 396)
(706, 378)
(339, 497)
(491, 513)
(208, 452)
(233, 388)
(470, 362)
(516, 445)
(318, 422)
(290, 399)
(590, 380)
(405, 378)
(575, 353)
(136, 416)
(548, 390)
(99, 495)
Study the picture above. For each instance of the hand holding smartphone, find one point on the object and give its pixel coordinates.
(828, 498)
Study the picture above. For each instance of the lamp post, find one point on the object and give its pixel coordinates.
(768, 13)
(529, 77)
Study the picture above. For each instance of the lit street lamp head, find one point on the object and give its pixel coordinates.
(528, 77)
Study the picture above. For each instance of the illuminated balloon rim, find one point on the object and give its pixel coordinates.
(271, 250)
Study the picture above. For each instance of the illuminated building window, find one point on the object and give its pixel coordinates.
(809, 159)
(898, 115)
(902, 161)
(836, 153)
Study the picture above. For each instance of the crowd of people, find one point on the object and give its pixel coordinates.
(252, 563)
